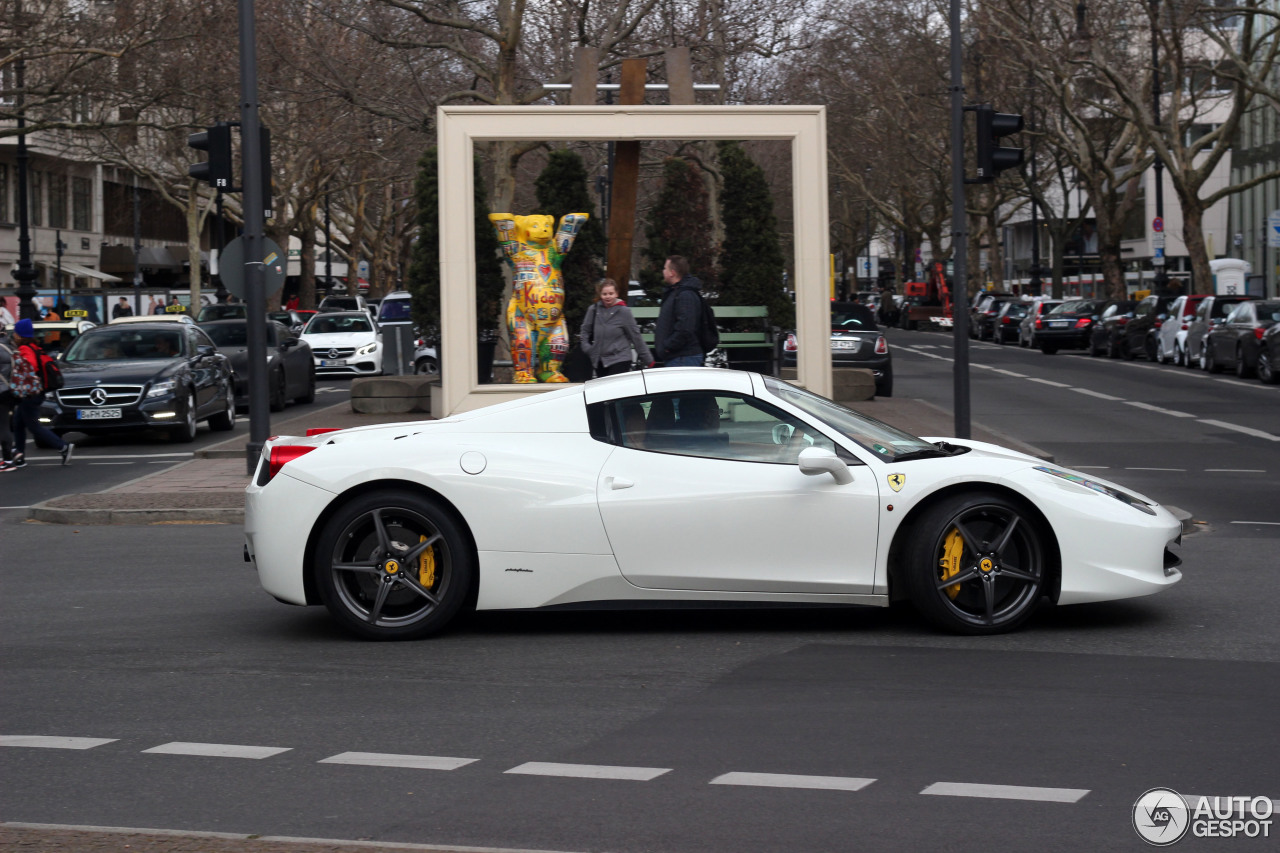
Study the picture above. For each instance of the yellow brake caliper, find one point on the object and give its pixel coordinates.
(950, 562)
(427, 566)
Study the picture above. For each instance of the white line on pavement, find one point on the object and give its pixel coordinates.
(1006, 792)
(217, 750)
(415, 762)
(1050, 382)
(1181, 470)
(1151, 408)
(1257, 433)
(1097, 394)
(589, 771)
(54, 742)
(785, 780)
(1010, 373)
(16, 507)
(116, 463)
(1235, 471)
(1267, 523)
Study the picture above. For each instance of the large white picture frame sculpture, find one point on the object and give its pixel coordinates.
(459, 128)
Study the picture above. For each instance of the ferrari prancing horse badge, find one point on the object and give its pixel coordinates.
(897, 481)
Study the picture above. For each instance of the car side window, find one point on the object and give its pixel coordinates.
(199, 338)
(709, 424)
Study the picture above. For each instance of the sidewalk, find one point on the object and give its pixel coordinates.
(210, 488)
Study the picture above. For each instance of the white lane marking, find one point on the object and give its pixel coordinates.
(1091, 467)
(1049, 382)
(415, 762)
(1151, 408)
(1257, 433)
(45, 742)
(1006, 792)
(88, 455)
(1181, 470)
(1268, 523)
(982, 366)
(785, 780)
(1235, 470)
(119, 463)
(1010, 373)
(15, 507)
(1097, 394)
(589, 771)
(217, 750)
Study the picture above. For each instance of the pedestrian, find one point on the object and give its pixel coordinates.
(609, 332)
(675, 341)
(121, 309)
(29, 388)
(292, 304)
(157, 305)
(7, 400)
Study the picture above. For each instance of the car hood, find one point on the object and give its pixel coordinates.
(123, 372)
(340, 339)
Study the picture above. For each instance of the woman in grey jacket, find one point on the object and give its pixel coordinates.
(609, 332)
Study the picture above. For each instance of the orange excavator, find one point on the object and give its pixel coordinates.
(927, 301)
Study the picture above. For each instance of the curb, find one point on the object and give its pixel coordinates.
(63, 515)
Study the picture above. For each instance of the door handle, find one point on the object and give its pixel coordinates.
(616, 483)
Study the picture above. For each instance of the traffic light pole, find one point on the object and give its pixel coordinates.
(959, 234)
(253, 237)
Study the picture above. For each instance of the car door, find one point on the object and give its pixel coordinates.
(721, 505)
(1238, 326)
(204, 369)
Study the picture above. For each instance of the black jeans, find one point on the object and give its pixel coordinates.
(27, 419)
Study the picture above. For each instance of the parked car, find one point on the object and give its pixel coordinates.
(1171, 339)
(345, 342)
(1107, 329)
(1211, 311)
(396, 307)
(398, 539)
(54, 336)
(1137, 336)
(426, 358)
(982, 315)
(343, 303)
(289, 318)
(175, 317)
(1069, 325)
(1269, 356)
(166, 376)
(291, 372)
(1236, 341)
(856, 341)
(1008, 320)
(1032, 322)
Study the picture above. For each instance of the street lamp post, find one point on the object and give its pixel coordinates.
(1161, 280)
(25, 274)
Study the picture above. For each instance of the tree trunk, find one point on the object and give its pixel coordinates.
(193, 244)
(1193, 236)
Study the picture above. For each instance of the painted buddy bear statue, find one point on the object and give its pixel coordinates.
(535, 315)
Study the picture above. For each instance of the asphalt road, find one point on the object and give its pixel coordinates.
(210, 707)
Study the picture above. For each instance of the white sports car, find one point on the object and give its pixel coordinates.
(688, 485)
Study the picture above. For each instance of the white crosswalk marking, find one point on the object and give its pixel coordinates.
(54, 742)
(217, 750)
(414, 762)
(589, 771)
(784, 780)
(1005, 792)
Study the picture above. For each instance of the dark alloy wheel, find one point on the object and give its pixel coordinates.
(226, 419)
(393, 565)
(185, 433)
(1242, 368)
(1266, 369)
(427, 367)
(975, 564)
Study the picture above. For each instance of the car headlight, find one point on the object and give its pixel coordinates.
(161, 388)
(367, 348)
(1100, 488)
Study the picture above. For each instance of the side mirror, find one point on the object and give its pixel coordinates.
(814, 461)
(204, 351)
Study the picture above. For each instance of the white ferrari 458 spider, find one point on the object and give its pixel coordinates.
(685, 485)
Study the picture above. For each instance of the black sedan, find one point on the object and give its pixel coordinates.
(1269, 356)
(166, 376)
(291, 371)
(1008, 319)
(1069, 325)
(856, 341)
(1237, 341)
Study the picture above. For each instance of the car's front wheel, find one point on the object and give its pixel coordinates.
(975, 564)
(394, 565)
(1266, 369)
(226, 419)
(185, 432)
(1242, 366)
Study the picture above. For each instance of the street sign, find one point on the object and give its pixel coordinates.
(1157, 225)
(1273, 229)
(231, 265)
(1157, 241)
(1158, 260)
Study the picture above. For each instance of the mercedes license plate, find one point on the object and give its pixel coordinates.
(97, 414)
(329, 362)
(1058, 324)
(839, 344)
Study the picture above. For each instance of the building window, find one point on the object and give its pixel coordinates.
(35, 197)
(58, 200)
(4, 193)
(81, 204)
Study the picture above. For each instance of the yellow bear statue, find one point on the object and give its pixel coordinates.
(535, 315)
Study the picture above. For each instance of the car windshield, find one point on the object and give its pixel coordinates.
(1079, 306)
(221, 312)
(394, 310)
(886, 442)
(1268, 312)
(852, 316)
(114, 344)
(329, 324)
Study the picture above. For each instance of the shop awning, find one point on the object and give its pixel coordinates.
(77, 271)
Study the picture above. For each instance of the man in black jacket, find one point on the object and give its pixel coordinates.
(676, 337)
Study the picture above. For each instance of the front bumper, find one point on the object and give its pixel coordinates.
(165, 411)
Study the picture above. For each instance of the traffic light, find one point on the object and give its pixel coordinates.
(216, 172)
(993, 158)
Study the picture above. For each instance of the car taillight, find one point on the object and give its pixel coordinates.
(321, 430)
(1039, 323)
(1122, 321)
(1158, 324)
(882, 346)
(1259, 332)
(419, 342)
(1004, 321)
(1084, 323)
(790, 344)
(1185, 325)
(283, 455)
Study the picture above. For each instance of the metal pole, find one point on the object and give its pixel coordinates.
(222, 294)
(959, 233)
(1161, 280)
(137, 242)
(58, 246)
(25, 274)
(328, 247)
(254, 252)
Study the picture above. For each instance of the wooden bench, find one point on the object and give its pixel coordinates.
(746, 348)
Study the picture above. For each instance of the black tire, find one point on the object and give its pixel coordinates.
(1094, 349)
(359, 566)
(1048, 349)
(1158, 355)
(1267, 374)
(997, 337)
(276, 400)
(1126, 349)
(1113, 349)
(308, 396)
(185, 433)
(1000, 559)
(1207, 361)
(225, 421)
(884, 385)
(427, 367)
(1242, 369)
(1149, 348)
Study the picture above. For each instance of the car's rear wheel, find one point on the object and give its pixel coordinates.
(427, 367)
(1208, 362)
(975, 564)
(1242, 368)
(393, 565)
(226, 419)
(1266, 368)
